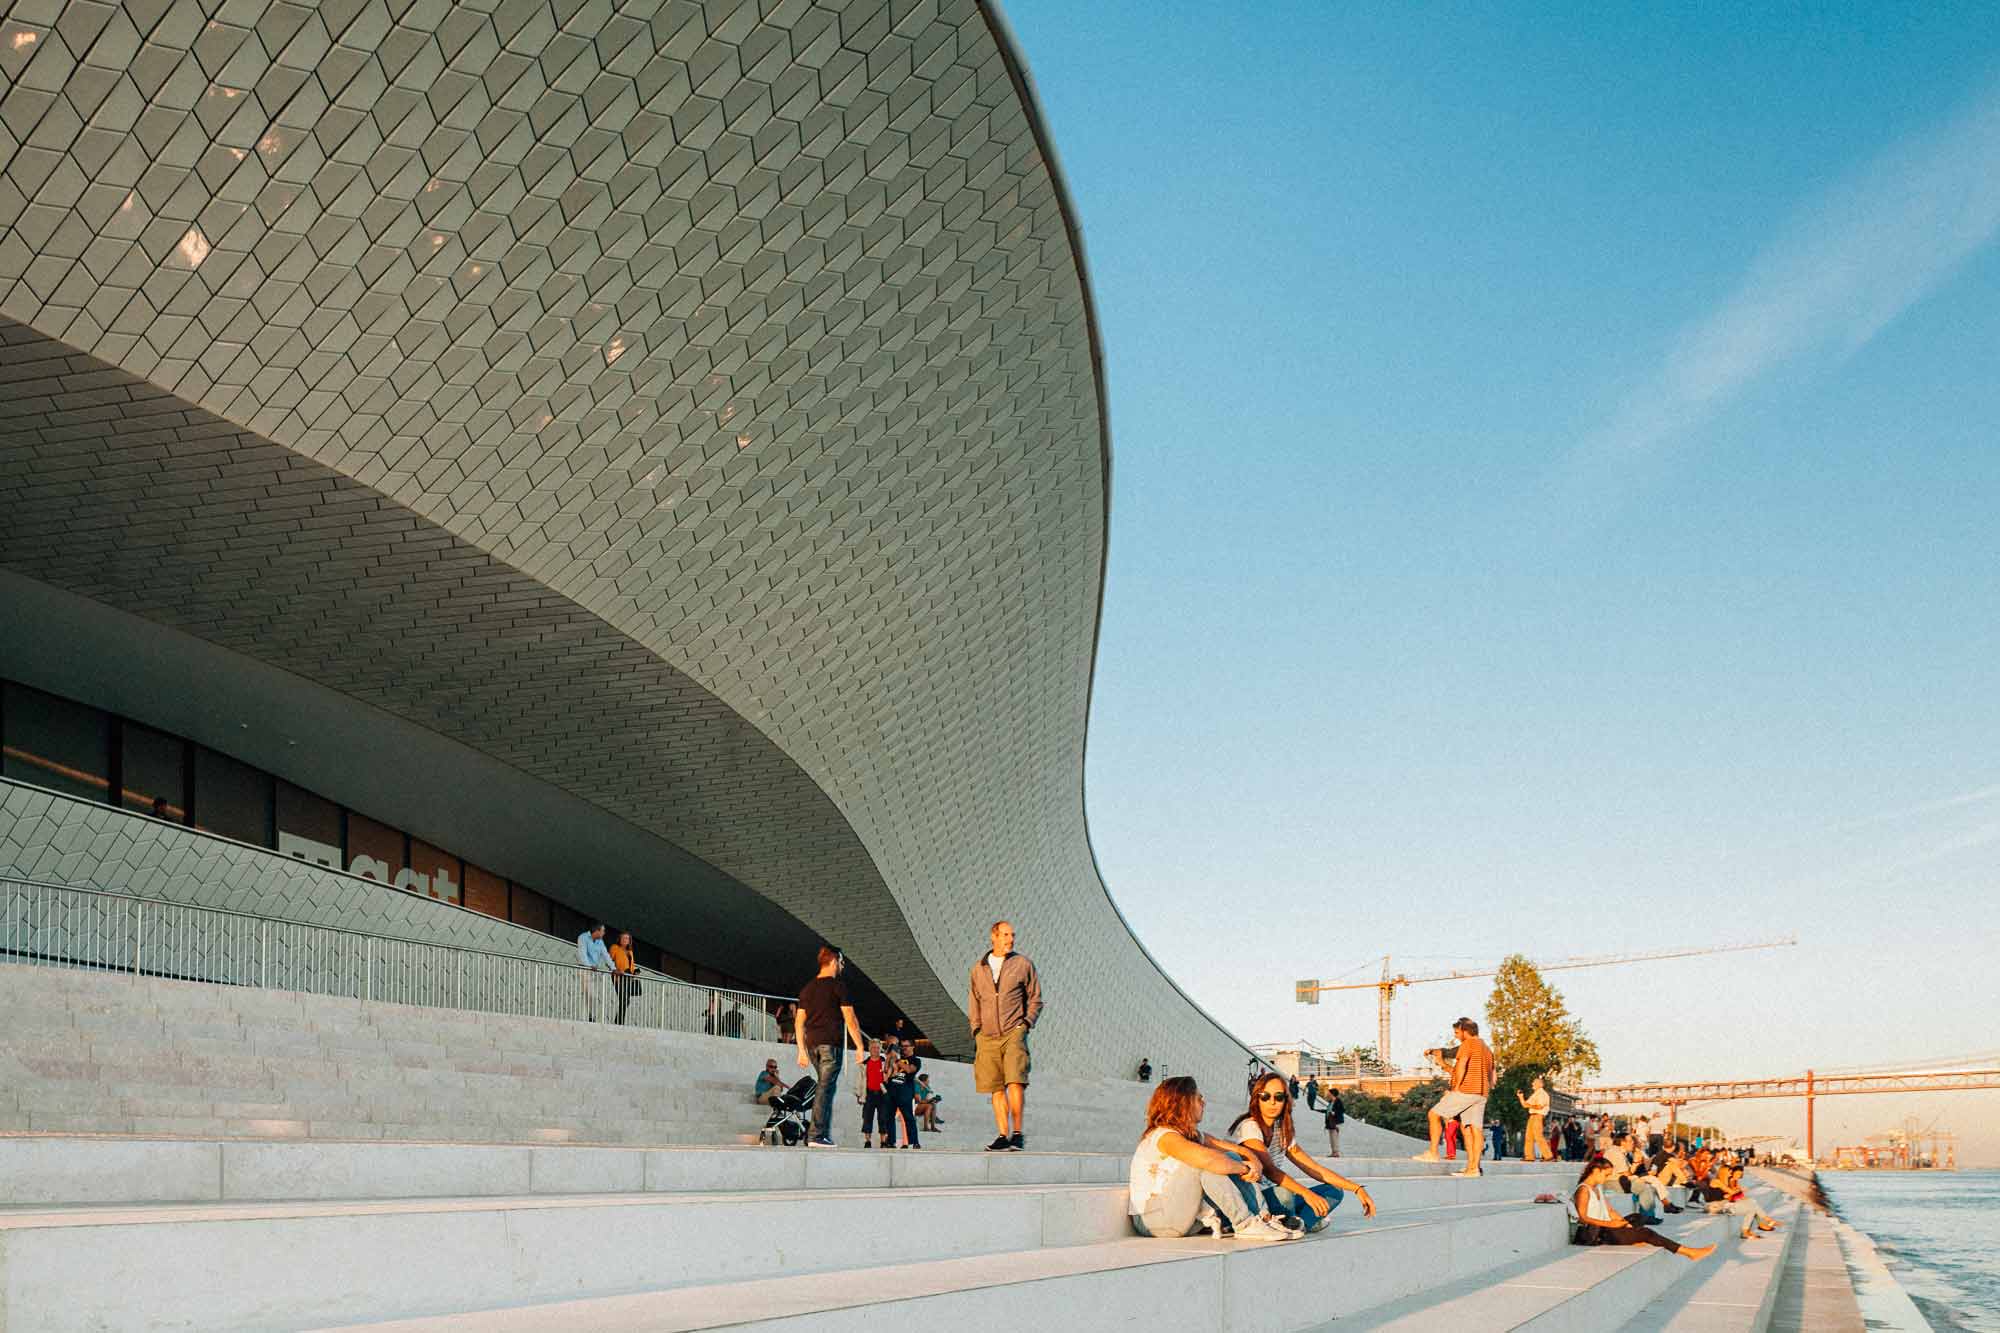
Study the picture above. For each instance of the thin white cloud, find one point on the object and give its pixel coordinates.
(1851, 263)
(1977, 796)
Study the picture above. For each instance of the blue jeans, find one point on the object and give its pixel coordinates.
(1282, 1203)
(903, 1098)
(826, 1068)
(1232, 1196)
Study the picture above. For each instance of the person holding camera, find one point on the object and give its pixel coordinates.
(1471, 1070)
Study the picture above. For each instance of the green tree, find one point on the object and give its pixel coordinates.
(1530, 1025)
(1407, 1114)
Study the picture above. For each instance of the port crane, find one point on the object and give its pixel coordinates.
(1309, 991)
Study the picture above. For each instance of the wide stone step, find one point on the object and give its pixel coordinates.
(1202, 1283)
(281, 1266)
(57, 1170)
(1734, 1293)
(1576, 1290)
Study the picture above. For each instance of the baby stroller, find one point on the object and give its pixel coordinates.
(790, 1114)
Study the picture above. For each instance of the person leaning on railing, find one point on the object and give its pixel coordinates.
(625, 972)
(593, 957)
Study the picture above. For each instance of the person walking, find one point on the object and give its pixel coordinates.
(1006, 1001)
(1537, 1105)
(1336, 1116)
(593, 957)
(825, 1008)
(1471, 1072)
(625, 973)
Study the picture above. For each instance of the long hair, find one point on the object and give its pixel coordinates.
(1282, 1126)
(1593, 1163)
(1172, 1105)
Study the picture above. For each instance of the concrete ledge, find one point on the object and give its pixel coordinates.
(57, 1169)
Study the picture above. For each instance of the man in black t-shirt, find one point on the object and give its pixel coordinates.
(1336, 1116)
(824, 1009)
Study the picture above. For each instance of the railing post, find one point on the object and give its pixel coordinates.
(368, 972)
(263, 955)
(138, 936)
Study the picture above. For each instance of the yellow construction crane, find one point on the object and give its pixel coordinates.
(1308, 991)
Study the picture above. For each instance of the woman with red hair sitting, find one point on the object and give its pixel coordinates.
(1182, 1179)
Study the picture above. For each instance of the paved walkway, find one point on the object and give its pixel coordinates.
(1815, 1292)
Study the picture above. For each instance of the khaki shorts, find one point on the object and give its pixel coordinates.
(1463, 1107)
(998, 1061)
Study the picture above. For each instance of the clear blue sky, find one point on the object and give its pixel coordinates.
(1554, 510)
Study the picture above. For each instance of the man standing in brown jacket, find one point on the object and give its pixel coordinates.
(1005, 1001)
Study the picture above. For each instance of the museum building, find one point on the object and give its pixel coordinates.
(500, 466)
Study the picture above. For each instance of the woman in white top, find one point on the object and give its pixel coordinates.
(1537, 1104)
(1601, 1226)
(1182, 1178)
(1265, 1130)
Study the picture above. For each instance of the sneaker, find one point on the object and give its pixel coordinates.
(914, 1147)
(1290, 1223)
(1015, 1143)
(822, 1143)
(1262, 1230)
(1001, 1144)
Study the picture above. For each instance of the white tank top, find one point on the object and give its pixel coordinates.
(1152, 1170)
(1595, 1209)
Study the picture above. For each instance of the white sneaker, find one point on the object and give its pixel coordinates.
(1262, 1230)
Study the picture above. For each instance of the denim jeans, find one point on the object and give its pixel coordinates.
(903, 1097)
(826, 1068)
(1282, 1203)
(1175, 1212)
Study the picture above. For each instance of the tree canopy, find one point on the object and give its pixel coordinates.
(1530, 1026)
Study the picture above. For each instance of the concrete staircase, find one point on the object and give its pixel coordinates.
(227, 1234)
(177, 1156)
(92, 1052)
(298, 1235)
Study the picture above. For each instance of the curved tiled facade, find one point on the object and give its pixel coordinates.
(694, 407)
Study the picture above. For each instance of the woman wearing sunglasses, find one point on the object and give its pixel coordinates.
(1265, 1131)
(1184, 1180)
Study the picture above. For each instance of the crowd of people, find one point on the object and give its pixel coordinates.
(1004, 1000)
(1257, 1182)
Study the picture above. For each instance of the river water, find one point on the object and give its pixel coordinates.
(1939, 1232)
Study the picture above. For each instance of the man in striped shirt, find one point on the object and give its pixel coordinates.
(1471, 1070)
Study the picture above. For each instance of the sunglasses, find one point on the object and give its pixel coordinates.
(1272, 1097)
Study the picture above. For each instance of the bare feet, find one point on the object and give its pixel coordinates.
(1472, 1172)
(1425, 1157)
(1698, 1254)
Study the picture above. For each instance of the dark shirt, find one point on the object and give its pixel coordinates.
(821, 1000)
(1336, 1112)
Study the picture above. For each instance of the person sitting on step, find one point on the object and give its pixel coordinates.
(1598, 1225)
(927, 1102)
(1628, 1172)
(1265, 1130)
(769, 1085)
(1670, 1166)
(1184, 1181)
(1736, 1201)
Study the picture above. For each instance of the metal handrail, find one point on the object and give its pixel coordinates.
(62, 925)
